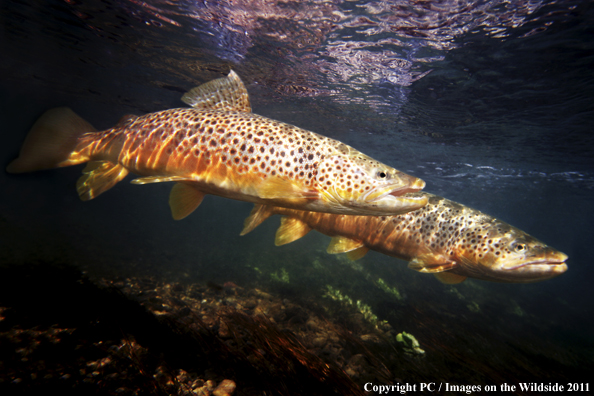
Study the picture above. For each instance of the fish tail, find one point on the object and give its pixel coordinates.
(258, 214)
(58, 139)
(52, 142)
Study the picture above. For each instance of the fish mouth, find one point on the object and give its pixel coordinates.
(554, 266)
(531, 271)
(393, 201)
(398, 191)
(417, 186)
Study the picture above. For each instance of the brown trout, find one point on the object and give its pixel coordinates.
(220, 147)
(445, 238)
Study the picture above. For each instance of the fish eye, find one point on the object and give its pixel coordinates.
(382, 175)
(520, 247)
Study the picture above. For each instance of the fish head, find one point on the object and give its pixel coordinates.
(358, 184)
(507, 254)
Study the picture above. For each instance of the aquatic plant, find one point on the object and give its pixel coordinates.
(473, 307)
(454, 290)
(410, 343)
(364, 309)
(283, 277)
(516, 309)
(355, 265)
(317, 264)
(336, 295)
(256, 269)
(369, 315)
(390, 290)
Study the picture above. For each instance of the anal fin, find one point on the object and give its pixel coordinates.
(98, 177)
(448, 278)
(184, 199)
(357, 253)
(290, 230)
(340, 244)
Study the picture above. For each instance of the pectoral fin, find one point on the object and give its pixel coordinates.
(183, 200)
(448, 278)
(98, 177)
(290, 230)
(278, 188)
(340, 244)
(258, 214)
(431, 263)
(158, 179)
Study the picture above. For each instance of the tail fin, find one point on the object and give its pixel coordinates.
(51, 142)
(54, 142)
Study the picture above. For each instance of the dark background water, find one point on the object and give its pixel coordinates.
(491, 103)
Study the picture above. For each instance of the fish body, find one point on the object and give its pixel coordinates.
(218, 146)
(445, 238)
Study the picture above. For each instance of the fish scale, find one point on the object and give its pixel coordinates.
(196, 141)
(219, 147)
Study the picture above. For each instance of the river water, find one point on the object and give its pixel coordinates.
(490, 102)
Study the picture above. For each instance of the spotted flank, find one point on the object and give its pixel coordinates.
(444, 238)
(219, 147)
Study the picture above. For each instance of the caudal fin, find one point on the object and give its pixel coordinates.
(51, 141)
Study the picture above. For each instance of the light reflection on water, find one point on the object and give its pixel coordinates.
(340, 49)
(362, 54)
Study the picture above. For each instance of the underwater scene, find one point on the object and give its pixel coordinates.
(296, 197)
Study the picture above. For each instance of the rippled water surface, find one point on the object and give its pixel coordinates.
(490, 102)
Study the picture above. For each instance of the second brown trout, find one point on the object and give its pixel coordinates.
(445, 238)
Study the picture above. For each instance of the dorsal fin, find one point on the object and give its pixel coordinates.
(258, 214)
(224, 94)
(290, 230)
(183, 200)
(340, 244)
(125, 119)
